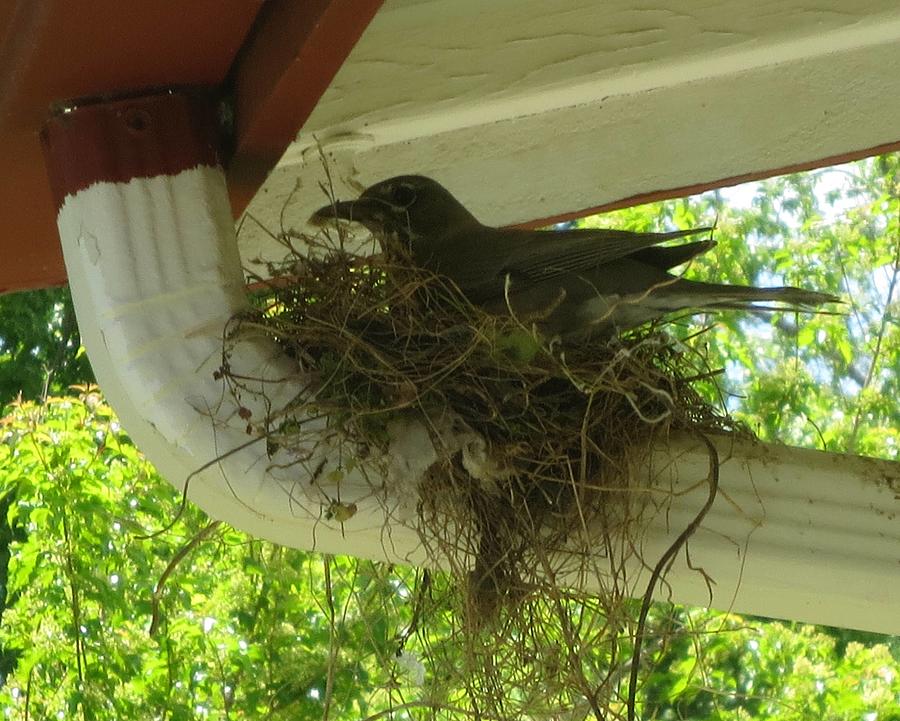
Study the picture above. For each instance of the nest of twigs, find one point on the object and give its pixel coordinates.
(537, 514)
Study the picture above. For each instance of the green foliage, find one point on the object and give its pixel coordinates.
(825, 381)
(39, 354)
(728, 667)
(247, 628)
(252, 630)
(39, 345)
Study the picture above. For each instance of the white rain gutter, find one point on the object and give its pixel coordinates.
(153, 265)
(150, 250)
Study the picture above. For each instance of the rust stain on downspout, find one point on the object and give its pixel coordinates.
(273, 58)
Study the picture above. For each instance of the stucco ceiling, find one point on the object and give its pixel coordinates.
(533, 109)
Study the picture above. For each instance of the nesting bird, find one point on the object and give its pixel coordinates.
(569, 283)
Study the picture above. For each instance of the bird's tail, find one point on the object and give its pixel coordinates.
(713, 296)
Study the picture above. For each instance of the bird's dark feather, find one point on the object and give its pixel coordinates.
(541, 256)
(570, 282)
(532, 257)
(669, 256)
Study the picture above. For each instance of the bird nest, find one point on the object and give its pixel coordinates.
(536, 517)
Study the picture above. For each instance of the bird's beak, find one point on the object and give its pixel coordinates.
(360, 210)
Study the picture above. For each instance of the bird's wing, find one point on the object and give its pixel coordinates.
(539, 256)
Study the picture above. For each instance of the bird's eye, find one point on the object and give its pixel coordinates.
(403, 195)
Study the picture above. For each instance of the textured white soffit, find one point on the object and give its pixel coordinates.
(527, 109)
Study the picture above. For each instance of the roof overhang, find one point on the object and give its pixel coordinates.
(268, 63)
(528, 111)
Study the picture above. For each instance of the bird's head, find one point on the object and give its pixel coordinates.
(412, 207)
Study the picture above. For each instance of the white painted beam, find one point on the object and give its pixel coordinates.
(527, 109)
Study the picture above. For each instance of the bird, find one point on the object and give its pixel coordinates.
(568, 284)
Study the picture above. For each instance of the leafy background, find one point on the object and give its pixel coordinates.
(250, 630)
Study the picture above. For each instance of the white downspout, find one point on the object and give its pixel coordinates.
(152, 261)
